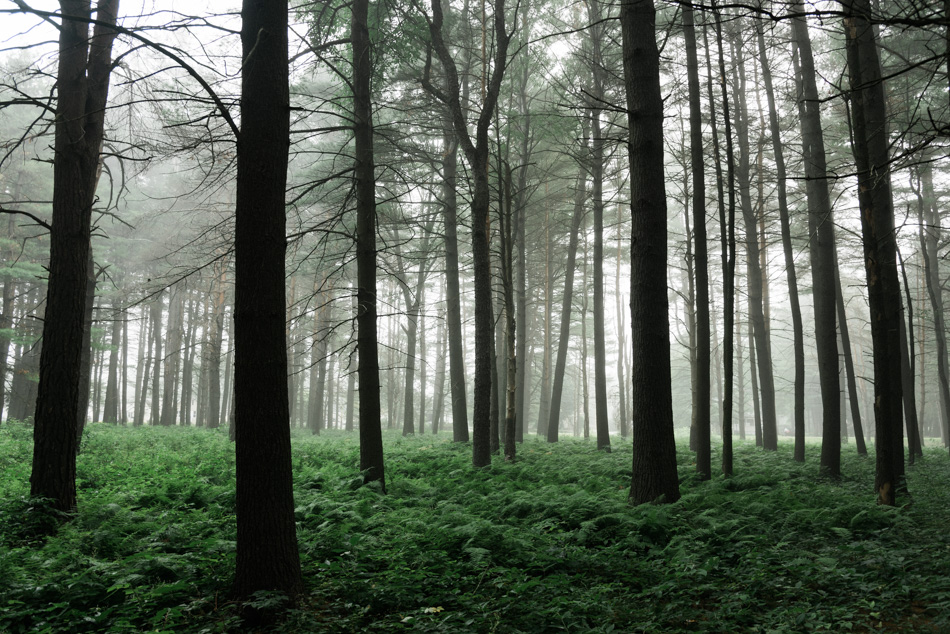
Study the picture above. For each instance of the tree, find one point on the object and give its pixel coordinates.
(869, 116)
(476, 151)
(267, 556)
(701, 414)
(82, 88)
(791, 276)
(364, 186)
(654, 450)
(822, 250)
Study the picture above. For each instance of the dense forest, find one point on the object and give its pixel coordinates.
(702, 237)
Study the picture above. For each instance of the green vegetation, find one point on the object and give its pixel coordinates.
(546, 544)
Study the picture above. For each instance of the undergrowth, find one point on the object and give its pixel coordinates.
(545, 544)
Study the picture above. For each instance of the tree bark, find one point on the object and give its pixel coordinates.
(930, 235)
(654, 451)
(791, 277)
(111, 413)
(371, 439)
(580, 195)
(701, 411)
(849, 366)
(822, 253)
(763, 353)
(267, 556)
(869, 115)
(82, 89)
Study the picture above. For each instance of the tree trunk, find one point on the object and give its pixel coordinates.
(822, 253)
(701, 413)
(142, 366)
(654, 451)
(267, 556)
(869, 115)
(544, 405)
(156, 314)
(83, 88)
(580, 195)
(172, 357)
(849, 366)
(727, 230)
(763, 352)
(111, 413)
(791, 277)
(930, 236)
(86, 363)
(371, 439)
(908, 370)
(6, 324)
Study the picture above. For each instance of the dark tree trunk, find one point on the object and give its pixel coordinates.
(544, 405)
(654, 450)
(111, 413)
(318, 368)
(477, 154)
(453, 301)
(82, 89)
(506, 217)
(142, 366)
(822, 254)
(908, 371)
(580, 195)
(869, 115)
(791, 277)
(188, 365)
(701, 413)
(760, 329)
(930, 236)
(156, 314)
(371, 439)
(438, 396)
(267, 557)
(172, 357)
(26, 365)
(213, 358)
(727, 229)
(849, 366)
(597, 90)
(87, 359)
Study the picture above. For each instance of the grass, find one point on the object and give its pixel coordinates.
(545, 544)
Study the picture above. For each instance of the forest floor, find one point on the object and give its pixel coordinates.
(546, 544)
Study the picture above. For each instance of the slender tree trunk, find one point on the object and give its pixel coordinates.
(111, 413)
(87, 359)
(930, 236)
(763, 353)
(172, 357)
(701, 412)
(371, 439)
(791, 277)
(156, 314)
(908, 371)
(849, 365)
(142, 366)
(6, 324)
(544, 405)
(654, 451)
(580, 195)
(621, 330)
(727, 226)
